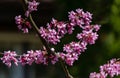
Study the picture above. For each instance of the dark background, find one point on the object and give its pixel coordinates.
(105, 12)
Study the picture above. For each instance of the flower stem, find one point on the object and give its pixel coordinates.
(68, 75)
(37, 30)
(48, 48)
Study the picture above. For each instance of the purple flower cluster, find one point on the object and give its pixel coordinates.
(112, 68)
(22, 24)
(98, 75)
(80, 18)
(37, 56)
(87, 36)
(9, 57)
(32, 6)
(72, 51)
(53, 58)
(54, 31)
(50, 35)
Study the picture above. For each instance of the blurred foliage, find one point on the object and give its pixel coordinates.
(114, 36)
(115, 15)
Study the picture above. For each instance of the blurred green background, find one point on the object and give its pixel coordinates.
(105, 12)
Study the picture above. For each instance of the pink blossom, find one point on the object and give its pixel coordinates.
(50, 35)
(27, 58)
(9, 56)
(98, 75)
(80, 18)
(88, 36)
(72, 52)
(70, 58)
(53, 58)
(60, 27)
(70, 28)
(75, 47)
(32, 6)
(96, 27)
(22, 24)
(18, 20)
(92, 27)
(37, 56)
(54, 31)
(41, 57)
(112, 68)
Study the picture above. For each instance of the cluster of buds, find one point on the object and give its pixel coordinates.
(8, 57)
(23, 24)
(37, 56)
(112, 68)
(72, 50)
(56, 30)
(32, 6)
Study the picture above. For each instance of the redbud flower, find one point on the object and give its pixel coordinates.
(22, 24)
(60, 27)
(92, 28)
(96, 27)
(98, 75)
(54, 31)
(72, 52)
(27, 58)
(9, 56)
(69, 59)
(75, 47)
(80, 18)
(41, 57)
(88, 36)
(32, 6)
(70, 28)
(18, 20)
(50, 35)
(33, 56)
(53, 58)
(112, 68)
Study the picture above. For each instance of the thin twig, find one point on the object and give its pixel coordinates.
(37, 31)
(68, 75)
(42, 40)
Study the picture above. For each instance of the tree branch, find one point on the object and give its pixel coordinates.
(46, 44)
(68, 75)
